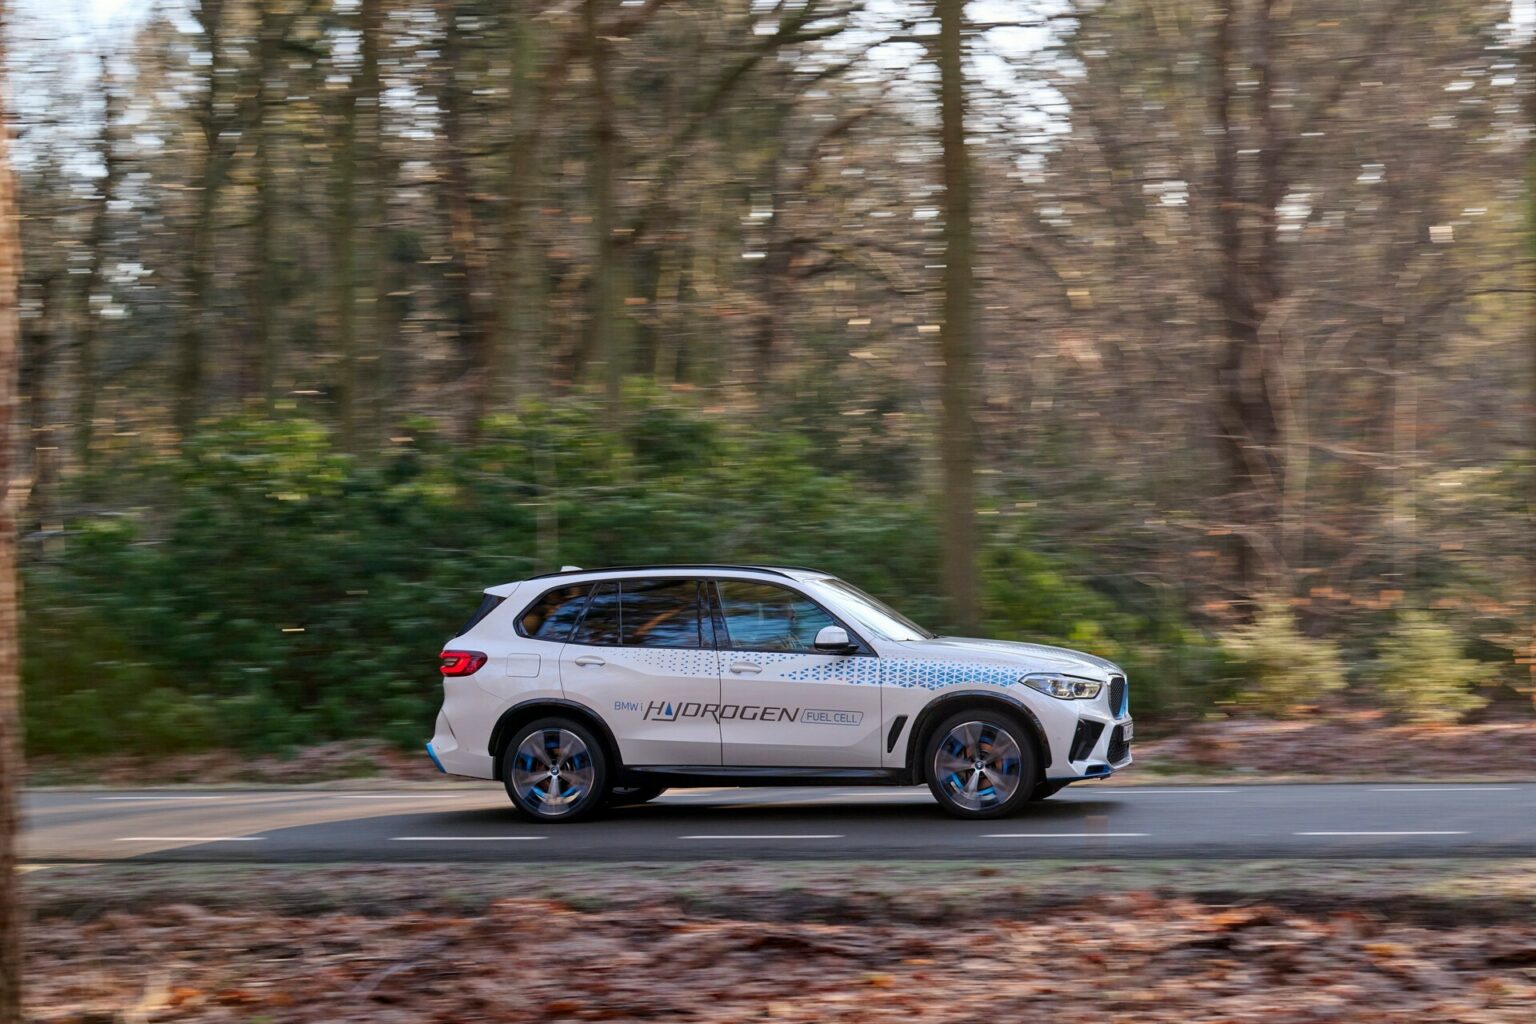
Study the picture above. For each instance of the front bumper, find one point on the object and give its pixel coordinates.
(1096, 748)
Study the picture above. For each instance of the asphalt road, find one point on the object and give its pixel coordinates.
(456, 823)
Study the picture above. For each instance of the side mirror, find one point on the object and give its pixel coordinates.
(834, 640)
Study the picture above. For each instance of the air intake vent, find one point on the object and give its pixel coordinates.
(1087, 735)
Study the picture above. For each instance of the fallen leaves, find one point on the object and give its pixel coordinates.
(1137, 955)
(1270, 749)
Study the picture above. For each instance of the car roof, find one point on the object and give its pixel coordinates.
(793, 572)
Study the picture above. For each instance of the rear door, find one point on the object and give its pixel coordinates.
(782, 702)
(643, 658)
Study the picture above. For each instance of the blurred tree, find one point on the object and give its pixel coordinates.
(1206, 298)
(958, 432)
(96, 241)
(11, 916)
(208, 160)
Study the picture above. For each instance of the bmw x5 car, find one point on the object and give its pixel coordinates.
(582, 688)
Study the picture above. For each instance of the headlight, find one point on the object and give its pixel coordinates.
(1065, 687)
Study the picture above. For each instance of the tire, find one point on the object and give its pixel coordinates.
(1046, 790)
(555, 770)
(628, 796)
(981, 764)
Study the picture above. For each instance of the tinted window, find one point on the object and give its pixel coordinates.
(488, 604)
(762, 617)
(601, 625)
(661, 613)
(552, 615)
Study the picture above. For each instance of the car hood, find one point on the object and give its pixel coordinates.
(1032, 657)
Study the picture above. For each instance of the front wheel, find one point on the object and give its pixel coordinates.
(556, 771)
(981, 764)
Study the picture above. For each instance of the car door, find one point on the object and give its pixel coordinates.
(643, 658)
(782, 702)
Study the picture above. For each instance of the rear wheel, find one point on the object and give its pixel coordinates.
(556, 770)
(981, 764)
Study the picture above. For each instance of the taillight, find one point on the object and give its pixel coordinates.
(461, 663)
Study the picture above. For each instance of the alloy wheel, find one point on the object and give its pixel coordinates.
(978, 765)
(552, 771)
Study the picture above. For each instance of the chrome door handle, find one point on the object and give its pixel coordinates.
(590, 661)
(746, 667)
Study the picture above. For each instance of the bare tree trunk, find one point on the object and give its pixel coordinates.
(369, 245)
(96, 241)
(345, 266)
(606, 343)
(520, 322)
(1251, 396)
(193, 341)
(471, 277)
(10, 683)
(958, 429)
(1530, 184)
(41, 342)
(267, 293)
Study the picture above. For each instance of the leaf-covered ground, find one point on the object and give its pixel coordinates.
(1345, 745)
(955, 943)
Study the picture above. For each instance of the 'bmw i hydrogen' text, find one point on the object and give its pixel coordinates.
(590, 687)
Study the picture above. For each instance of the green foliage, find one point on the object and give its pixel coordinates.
(1280, 666)
(272, 590)
(1423, 673)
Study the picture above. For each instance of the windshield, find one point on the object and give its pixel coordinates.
(874, 614)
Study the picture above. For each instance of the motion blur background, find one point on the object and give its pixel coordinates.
(1206, 345)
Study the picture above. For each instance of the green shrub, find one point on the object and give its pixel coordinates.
(1423, 674)
(1280, 667)
(265, 589)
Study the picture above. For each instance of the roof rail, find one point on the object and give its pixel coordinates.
(678, 565)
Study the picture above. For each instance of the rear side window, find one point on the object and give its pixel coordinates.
(553, 615)
(642, 613)
(661, 613)
(600, 628)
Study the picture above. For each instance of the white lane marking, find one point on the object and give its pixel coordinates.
(1137, 791)
(157, 798)
(22, 869)
(464, 839)
(393, 796)
(190, 839)
(1065, 835)
(1378, 833)
(825, 835)
(1443, 788)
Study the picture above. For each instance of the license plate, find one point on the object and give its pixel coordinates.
(1128, 728)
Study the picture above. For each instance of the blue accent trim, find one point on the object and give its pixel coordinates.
(1096, 772)
(433, 755)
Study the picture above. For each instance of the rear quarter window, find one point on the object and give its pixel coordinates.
(555, 613)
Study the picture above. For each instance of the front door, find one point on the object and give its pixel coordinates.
(782, 702)
(643, 659)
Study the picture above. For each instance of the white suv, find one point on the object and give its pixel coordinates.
(578, 688)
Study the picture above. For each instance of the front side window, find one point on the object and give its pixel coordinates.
(763, 617)
(554, 613)
(642, 613)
